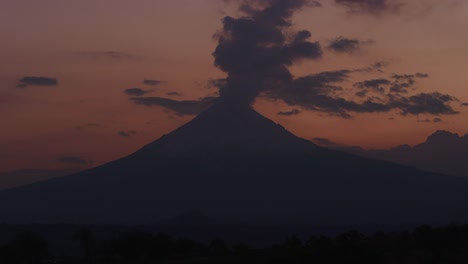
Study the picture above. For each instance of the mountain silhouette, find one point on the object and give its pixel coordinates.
(233, 163)
(442, 152)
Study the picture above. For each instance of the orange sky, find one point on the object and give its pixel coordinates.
(172, 41)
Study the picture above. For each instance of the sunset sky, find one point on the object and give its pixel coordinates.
(66, 67)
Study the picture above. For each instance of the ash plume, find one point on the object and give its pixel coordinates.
(254, 50)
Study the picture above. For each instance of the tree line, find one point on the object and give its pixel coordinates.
(424, 244)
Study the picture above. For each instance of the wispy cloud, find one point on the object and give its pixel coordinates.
(182, 107)
(27, 81)
(152, 82)
(126, 134)
(434, 120)
(374, 7)
(110, 55)
(136, 91)
(347, 45)
(289, 113)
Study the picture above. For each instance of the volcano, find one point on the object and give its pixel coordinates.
(232, 162)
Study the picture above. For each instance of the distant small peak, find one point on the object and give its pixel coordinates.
(279, 125)
(442, 136)
(402, 147)
(443, 133)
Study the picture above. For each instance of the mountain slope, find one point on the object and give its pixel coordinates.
(20, 177)
(232, 162)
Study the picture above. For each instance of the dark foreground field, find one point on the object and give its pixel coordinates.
(424, 244)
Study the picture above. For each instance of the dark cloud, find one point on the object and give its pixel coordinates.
(361, 94)
(425, 103)
(326, 77)
(402, 82)
(376, 85)
(421, 75)
(315, 92)
(320, 92)
(375, 7)
(123, 133)
(74, 160)
(136, 91)
(289, 113)
(314, 84)
(152, 82)
(255, 50)
(373, 85)
(344, 45)
(378, 66)
(401, 87)
(174, 93)
(36, 81)
(410, 76)
(184, 107)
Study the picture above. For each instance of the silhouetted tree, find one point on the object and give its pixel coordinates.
(240, 249)
(87, 241)
(132, 246)
(29, 248)
(219, 247)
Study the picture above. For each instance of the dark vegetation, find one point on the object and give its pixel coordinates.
(424, 244)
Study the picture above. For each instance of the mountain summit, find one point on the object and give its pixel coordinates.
(226, 126)
(232, 162)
